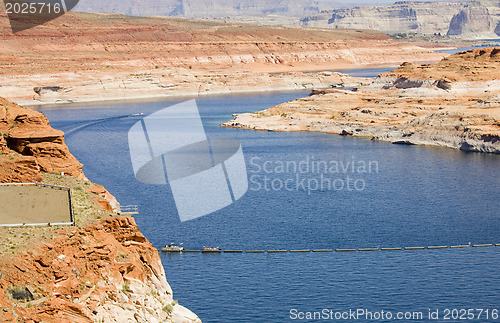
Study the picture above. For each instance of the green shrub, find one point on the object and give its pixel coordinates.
(170, 307)
(126, 288)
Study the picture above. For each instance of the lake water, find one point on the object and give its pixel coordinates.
(363, 72)
(366, 72)
(412, 196)
(461, 49)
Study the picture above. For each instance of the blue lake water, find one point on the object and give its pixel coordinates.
(461, 49)
(363, 72)
(413, 196)
(366, 72)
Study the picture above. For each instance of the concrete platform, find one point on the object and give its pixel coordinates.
(35, 204)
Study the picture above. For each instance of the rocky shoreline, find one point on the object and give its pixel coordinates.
(454, 103)
(105, 272)
(102, 269)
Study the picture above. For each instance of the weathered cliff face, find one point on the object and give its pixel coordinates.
(204, 8)
(29, 145)
(106, 272)
(465, 19)
(454, 103)
(401, 17)
(88, 43)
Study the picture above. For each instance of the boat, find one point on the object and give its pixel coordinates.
(211, 250)
(171, 247)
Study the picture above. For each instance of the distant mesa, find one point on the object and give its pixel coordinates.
(472, 19)
(206, 8)
(466, 18)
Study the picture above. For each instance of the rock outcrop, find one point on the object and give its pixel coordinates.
(19, 169)
(29, 146)
(465, 19)
(108, 202)
(106, 272)
(454, 103)
(100, 270)
(478, 65)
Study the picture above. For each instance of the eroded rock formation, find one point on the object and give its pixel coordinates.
(473, 19)
(153, 56)
(99, 270)
(30, 145)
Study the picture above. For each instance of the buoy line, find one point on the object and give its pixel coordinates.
(340, 250)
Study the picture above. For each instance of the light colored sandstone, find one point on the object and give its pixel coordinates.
(412, 105)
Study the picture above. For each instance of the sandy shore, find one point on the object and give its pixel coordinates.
(162, 85)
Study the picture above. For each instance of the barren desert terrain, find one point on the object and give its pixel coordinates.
(87, 57)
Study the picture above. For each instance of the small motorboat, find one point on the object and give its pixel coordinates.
(171, 247)
(211, 250)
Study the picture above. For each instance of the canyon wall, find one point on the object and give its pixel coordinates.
(476, 19)
(465, 19)
(205, 8)
(89, 43)
(84, 57)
